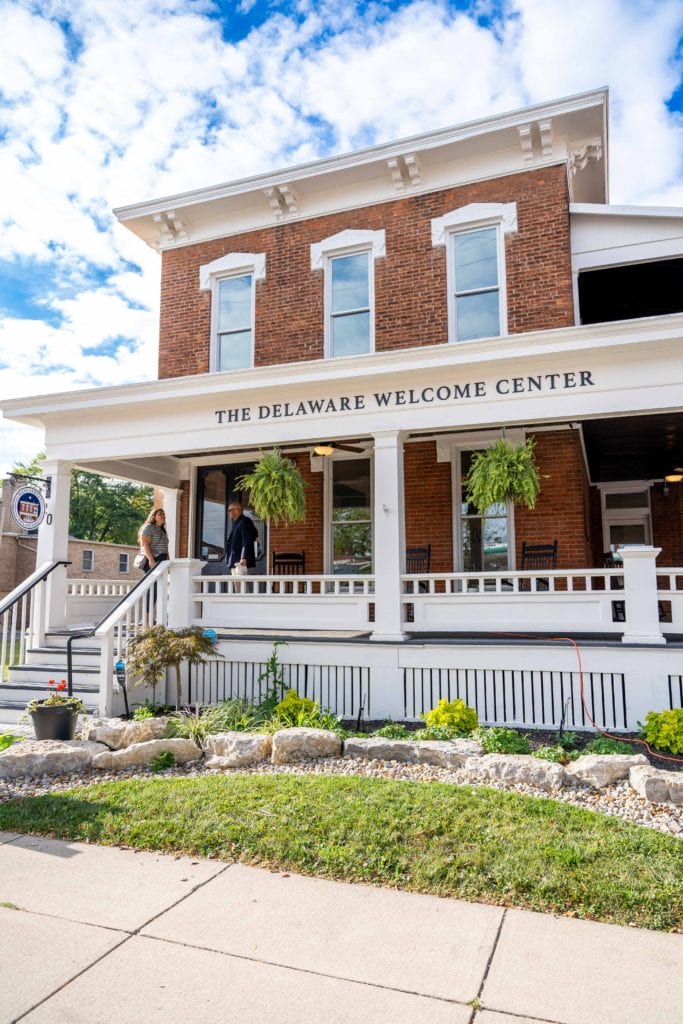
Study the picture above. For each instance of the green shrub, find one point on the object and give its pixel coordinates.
(151, 710)
(664, 730)
(454, 715)
(302, 712)
(233, 715)
(436, 732)
(568, 740)
(396, 731)
(606, 745)
(162, 761)
(556, 753)
(498, 740)
(7, 739)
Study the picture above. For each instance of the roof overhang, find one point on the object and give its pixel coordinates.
(572, 131)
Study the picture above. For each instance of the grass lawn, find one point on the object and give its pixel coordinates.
(471, 843)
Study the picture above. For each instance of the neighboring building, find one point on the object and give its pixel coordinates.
(380, 316)
(90, 560)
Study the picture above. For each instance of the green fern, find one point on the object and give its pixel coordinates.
(276, 489)
(503, 472)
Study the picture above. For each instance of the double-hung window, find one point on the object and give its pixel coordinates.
(232, 283)
(475, 267)
(347, 261)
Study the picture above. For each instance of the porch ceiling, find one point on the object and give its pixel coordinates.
(633, 447)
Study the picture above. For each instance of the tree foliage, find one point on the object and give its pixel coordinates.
(503, 472)
(276, 489)
(101, 508)
(156, 648)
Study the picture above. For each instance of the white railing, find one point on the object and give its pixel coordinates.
(98, 588)
(90, 600)
(670, 598)
(285, 602)
(23, 617)
(540, 600)
(145, 605)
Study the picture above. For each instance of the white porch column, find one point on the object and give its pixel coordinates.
(171, 496)
(640, 594)
(53, 538)
(183, 610)
(389, 535)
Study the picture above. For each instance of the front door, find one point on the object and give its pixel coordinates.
(216, 488)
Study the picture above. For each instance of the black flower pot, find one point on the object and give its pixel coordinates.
(54, 722)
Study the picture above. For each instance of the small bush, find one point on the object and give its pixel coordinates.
(568, 740)
(606, 745)
(396, 731)
(233, 715)
(150, 710)
(498, 740)
(557, 754)
(664, 730)
(436, 732)
(302, 712)
(7, 739)
(162, 761)
(454, 715)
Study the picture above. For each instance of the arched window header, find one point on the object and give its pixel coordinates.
(374, 241)
(473, 215)
(248, 262)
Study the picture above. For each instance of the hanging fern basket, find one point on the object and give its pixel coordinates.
(504, 472)
(276, 489)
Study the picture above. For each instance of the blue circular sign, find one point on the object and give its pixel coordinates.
(28, 508)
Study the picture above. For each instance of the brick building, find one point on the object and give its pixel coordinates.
(381, 316)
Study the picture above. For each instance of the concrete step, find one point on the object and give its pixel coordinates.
(85, 657)
(39, 675)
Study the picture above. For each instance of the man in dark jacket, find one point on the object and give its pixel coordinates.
(241, 539)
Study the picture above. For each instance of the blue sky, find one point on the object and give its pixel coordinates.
(105, 103)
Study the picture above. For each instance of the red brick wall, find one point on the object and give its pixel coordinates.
(563, 507)
(410, 283)
(667, 523)
(307, 536)
(428, 504)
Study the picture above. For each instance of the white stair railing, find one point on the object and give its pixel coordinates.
(23, 617)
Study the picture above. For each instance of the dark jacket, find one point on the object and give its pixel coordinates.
(241, 542)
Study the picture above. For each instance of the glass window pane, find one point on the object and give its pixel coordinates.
(477, 316)
(476, 260)
(214, 514)
(234, 303)
(628, 533)
(350, 282)
(234, 351)
(495, 544)
(351, 334)
(626, 499)
(472, 558)
(352, 544)
(351, 488)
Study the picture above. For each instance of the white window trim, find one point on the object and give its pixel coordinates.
(347, 243)
(478, 442)
(639, 515)
(502, 216)
(234, 264)
(328, 547)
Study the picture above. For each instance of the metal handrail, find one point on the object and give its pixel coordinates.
(113, 613)
(29, 583)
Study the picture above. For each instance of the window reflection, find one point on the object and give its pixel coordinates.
(351, 516)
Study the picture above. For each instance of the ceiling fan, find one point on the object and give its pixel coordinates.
(329, 447)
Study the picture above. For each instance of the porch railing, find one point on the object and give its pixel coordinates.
(23, 615)
(287, 602)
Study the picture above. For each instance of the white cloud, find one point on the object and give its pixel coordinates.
(154, 101)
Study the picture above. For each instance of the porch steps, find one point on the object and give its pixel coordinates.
(30, 681)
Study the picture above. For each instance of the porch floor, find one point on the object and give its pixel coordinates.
(438, 638)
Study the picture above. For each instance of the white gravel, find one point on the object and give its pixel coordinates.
(618, 800)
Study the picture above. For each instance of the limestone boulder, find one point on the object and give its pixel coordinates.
(600, 770)
(376, 748)
(48, 757)
(518, 768)
(446, 753)
(300, 744)
(656, 785)
(140, 754)
(237, 749)
(117, 734)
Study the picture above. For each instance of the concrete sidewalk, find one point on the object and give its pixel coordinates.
(112, 935)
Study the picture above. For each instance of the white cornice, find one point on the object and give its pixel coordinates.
(36, 411)
(597, 210)
(480, 149)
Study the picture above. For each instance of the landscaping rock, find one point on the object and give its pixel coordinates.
(656, 785)
(117, 735)
(48, 757)
(600, 770)
(446, 753)
(237, 749)
(143, 753)
(299, 744)
(376, 748)
(518, 768)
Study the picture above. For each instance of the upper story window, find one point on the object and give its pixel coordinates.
(88, 560)
(123, 561)
(231, 280)
(475, 262)
(347, 260)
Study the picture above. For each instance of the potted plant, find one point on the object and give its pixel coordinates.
(277, 491)
(504, 472)
(55, 717)
(157, 648)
